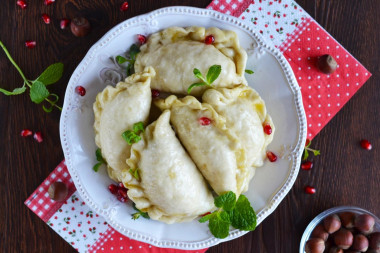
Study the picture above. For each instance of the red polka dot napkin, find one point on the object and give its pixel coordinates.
(288, 27)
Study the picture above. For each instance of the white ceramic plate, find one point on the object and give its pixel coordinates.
(273, 79)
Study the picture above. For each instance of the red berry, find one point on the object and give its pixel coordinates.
(64, 23)
(204, 121)
(124, 6)
(271, 156)
(26, 132)
(307, 165)
(121, 199)
(38, 137)
(307, 142)
(113, 188)
(21, 3)
(310, 190)
(48, 2)
(267, 129)
(122, 192)
(155, 93)
(366, 144)
(30, 43)
(141, 38)
(46, 18)
(209, 39)
(121, 185)
(80, 90)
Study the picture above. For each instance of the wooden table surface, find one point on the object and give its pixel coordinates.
(344, 174)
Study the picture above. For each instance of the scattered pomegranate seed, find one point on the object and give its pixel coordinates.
(310, 190)
(113, 188)
(38, 137)
(209, 40)
(122, 192)
(64, 23)
(307, 142)
(121, 199)
(124, 6)
(271, 156)
(119, 191)
(46, 18)
(141, 38)
(366, 144)
(80, 90)
(30, 43)
(121, 185)
(155, 93)
(22, 4)
(26, 132)
(267, 129)
(49, 2)
(307, 165)
(204, 121)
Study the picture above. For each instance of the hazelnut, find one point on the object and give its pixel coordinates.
(315, 245)
(332, 223)
(360, 243)
(347, 219)
(336, 250)
(58, 191)
(327, 64)
(373, 251)
(320, 232)
(351, 251)
(343, 238)
(374, 241)
(364, 223)
(80, 26)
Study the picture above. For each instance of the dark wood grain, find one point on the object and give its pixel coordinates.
(344, 174)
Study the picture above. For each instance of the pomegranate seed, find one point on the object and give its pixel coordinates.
(307, 165)
(307, 142)
(121, 185)
(22, 4)
(38, 137)
(209, 40)
(46, 18)
(30, 43)
(122, 192)
(26, 132)
(366, 144)
(64, 23)
(121, 199)
(310, 190)
(155, 93)
(204, 121)
(141, 38)
(49, 2)
(80, 90)
(271, 156)
(113, 188)
(124, 6)
(267, 129)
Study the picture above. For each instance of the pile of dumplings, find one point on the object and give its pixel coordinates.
(182, 163)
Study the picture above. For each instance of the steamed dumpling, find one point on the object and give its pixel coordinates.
(170, 187)
(213, 148)
(176, 51)
(116, 110)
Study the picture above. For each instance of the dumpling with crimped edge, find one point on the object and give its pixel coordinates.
(169, 186)
(213, 147)
(174, 53)
(116, 109)
(245, 114)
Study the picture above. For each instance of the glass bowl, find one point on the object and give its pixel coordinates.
(309, 229)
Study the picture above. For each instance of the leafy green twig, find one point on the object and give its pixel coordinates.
(308, 149)
(237, 213)
(38, 91)
(212, 74)
(133, 136)
(133, 51)
(139, 213)
(100, 160)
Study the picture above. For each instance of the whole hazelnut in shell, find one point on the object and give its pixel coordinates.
(58, 191)
(347, 219)
(315, 245)
(360, 243)
(364, 223)
(320, 232)
(332, 223)
(374, 241)
(343, 238)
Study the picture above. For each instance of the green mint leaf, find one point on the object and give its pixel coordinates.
(316, 152)
(197, 73)
(47, 109)
(51, 74)
(38, 92)
(135, 173)
(139, 213)
(16, 91)
(130, 137)
(243, 216)
(138, 127)
(305, 154)
(219, 225)
(120, 59)
(99, 157)
(133, 51)
(194, 85)
(248, 71)
(135, 216)
(96, 167)
(206, 217)
(213, 73)
(226, 201)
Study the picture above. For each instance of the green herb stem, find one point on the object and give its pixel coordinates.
(53, 104)
(14, 63)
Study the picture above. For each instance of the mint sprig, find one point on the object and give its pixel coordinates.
(100, 159)
(139, 213)
(308, 149)
(237, 213)
(135, 173)
(133, 52)
(38, 91)
(212, 74)
(248, 71)
(133, 136)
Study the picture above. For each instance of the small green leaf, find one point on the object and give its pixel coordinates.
(197, 73)
(130, 137)
(120, 59)
(243, 216)
(316, 152)
(99, 157)
(38, 92)
(195, 85)
(219, 225)
(226, 201)
(51, 74)
(213, 73)
(16, 91)
(135, 173)
(138, 127)
(96, 167)
(139, 213)
(206, 217)
(248, 71)
(305, 154)
(133, 51)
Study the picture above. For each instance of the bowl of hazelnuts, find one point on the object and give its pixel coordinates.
(342, 229)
